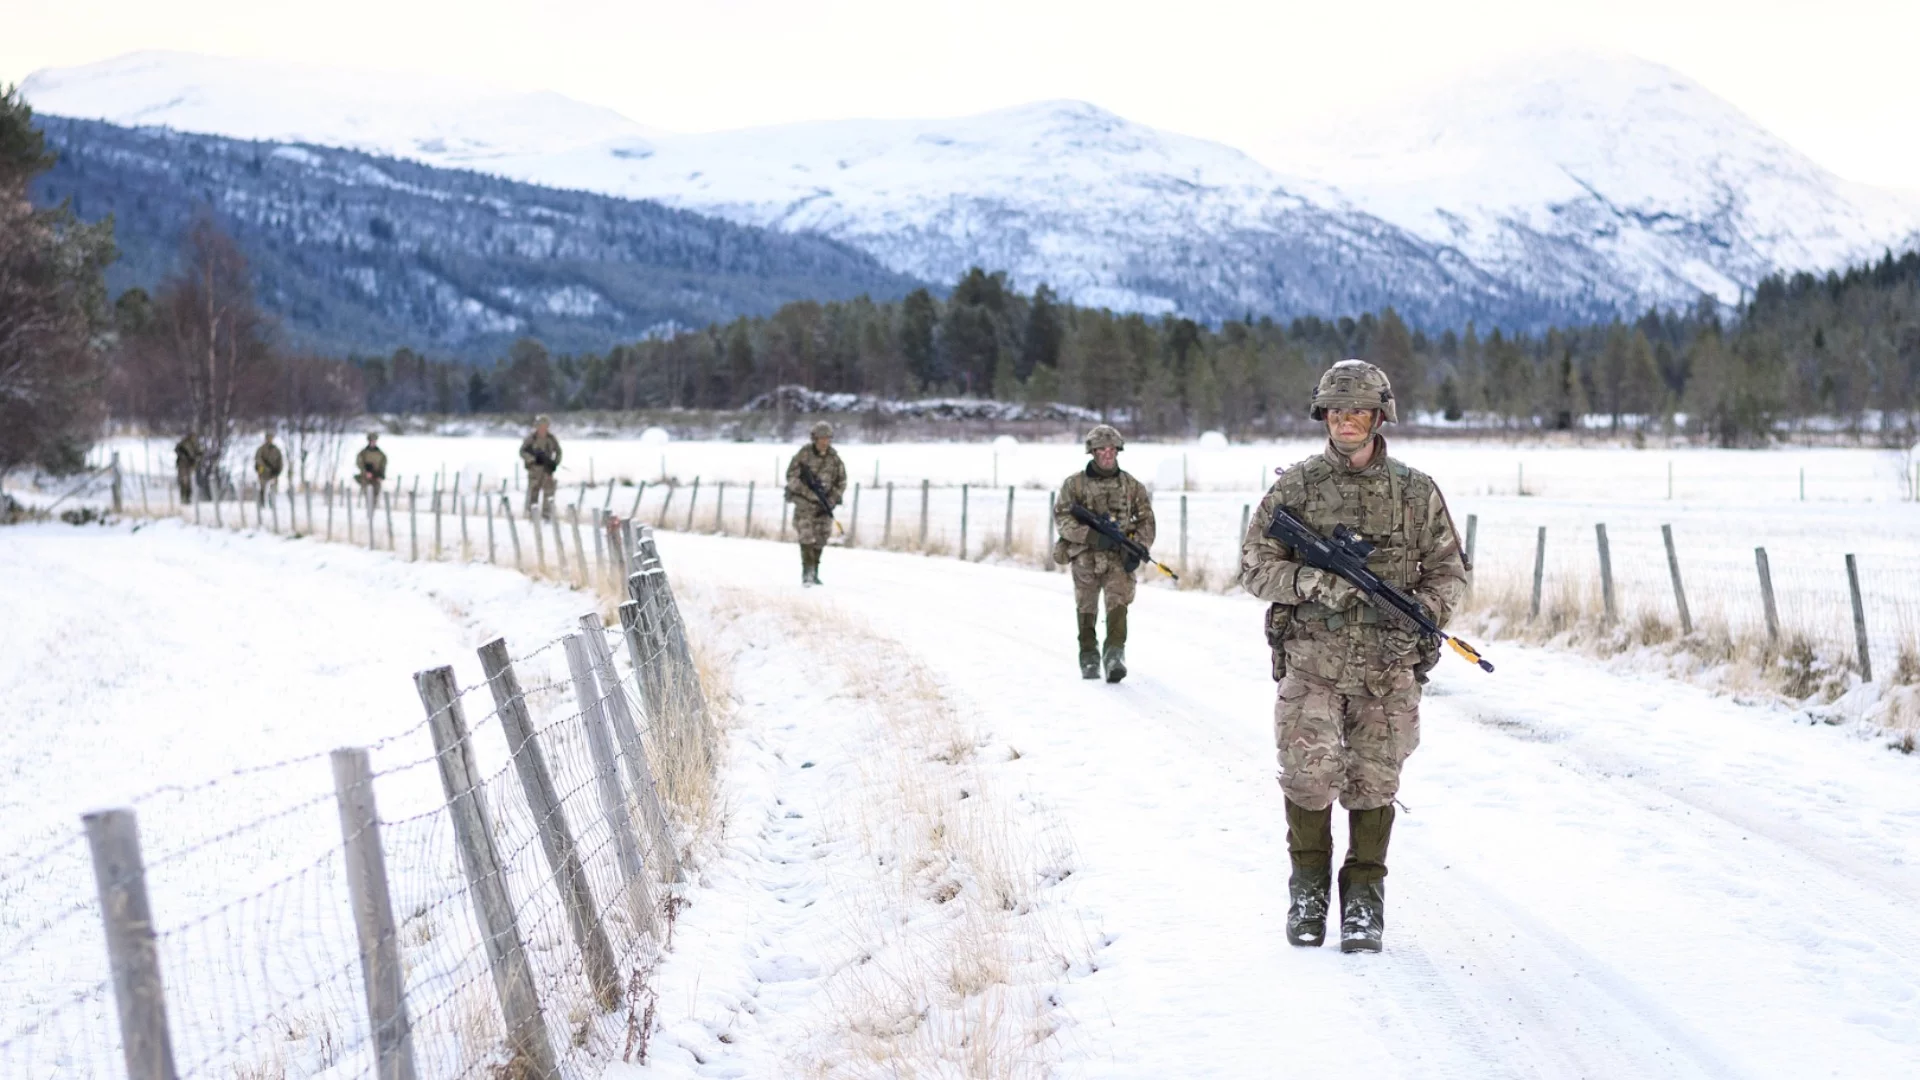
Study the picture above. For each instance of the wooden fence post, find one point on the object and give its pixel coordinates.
(924, 484)
(1859, 620)
(720, 508)
(1006, 538)
(1047, 556)
(579, 549)
(1183, 516)
(1679, 592)
(486, 877)
(386, 498)
(886, 518)
(413, 526)
(639, 492)
(661, 521)
(693, 502)
(1606, 570)
(853, 518)
(1766, 594)
(559, 547)
(1246, 516)
(747, 530)
(381, 974)
(1539, 572)
(329, 514)
(647, 651)
(613, 800)
(1473, 523)
(962, 519)
(115, 466)
(550, 818)
(513, 529)
(132, 949)
(436, 497)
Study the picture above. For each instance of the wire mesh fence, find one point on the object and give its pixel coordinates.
(482, 892)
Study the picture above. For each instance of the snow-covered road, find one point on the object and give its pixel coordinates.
(1598, 874)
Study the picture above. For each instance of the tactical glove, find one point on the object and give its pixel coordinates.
(1325, 588)
(1101, 541)
(1397, 644)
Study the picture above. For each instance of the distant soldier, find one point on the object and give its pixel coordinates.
(187, 456)
(540, 452)
(1348, 708)
(1098, 564)
(268, 464)
(816, 479)
(370, 469)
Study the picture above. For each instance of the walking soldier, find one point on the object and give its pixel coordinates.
(540, 452)
(816, 480)
(1098, 563)
(1348, 708)
(268, 464)
(187, 456)
(370, 470)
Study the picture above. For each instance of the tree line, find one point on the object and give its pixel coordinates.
(1839, 351)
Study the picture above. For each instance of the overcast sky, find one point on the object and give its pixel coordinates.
(1833, 78)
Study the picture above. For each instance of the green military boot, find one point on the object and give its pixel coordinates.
(1363, 888)
(1310, 847)
(1089, 646)
(1115, 657)
(817, 550)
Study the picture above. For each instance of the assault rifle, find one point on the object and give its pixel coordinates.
(1106, 527)
(541, 459)
(1345, 554)
(820, 494)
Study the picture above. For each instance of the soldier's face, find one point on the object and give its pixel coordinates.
(540, 430)
(821, 442)
(1106, 457)
(1350, 427)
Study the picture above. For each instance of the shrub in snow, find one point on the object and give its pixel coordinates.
(655, 436)
(1213, 440)
(1005, 442)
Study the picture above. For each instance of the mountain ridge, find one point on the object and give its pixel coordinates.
(1565, 189)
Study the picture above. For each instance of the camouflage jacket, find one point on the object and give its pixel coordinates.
(187, 453)
(546, 445)
(268, 462)
(1398, 509)
(371, 460)
(1118, 496)
(827, 468)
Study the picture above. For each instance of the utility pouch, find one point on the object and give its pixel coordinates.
(1279, 620)
(1060, 552)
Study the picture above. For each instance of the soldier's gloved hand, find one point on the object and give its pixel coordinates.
(1398, 644)
(1324, 588)
(1101, 541)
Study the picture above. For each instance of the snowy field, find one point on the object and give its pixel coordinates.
(1597, 874)
(1808, 507)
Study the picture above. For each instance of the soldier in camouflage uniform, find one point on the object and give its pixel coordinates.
(187, 456)
(540, 452)
(1096, 562)
(813, 523)
(370, 470)
(1348, 709)
(268, 464)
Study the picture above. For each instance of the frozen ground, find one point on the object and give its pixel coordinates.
(1597, 874)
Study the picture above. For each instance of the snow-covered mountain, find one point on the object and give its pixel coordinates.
(1576, 190)
(430, 119)
(1595, 171)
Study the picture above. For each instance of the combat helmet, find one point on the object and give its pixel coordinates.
(821, 430)
(1354, 384)
(1105, 435)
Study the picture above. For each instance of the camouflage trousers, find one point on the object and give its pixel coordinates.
(186, 485)
(1344, 746)
(540, 485)
(1097, 571)
(812, 526)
